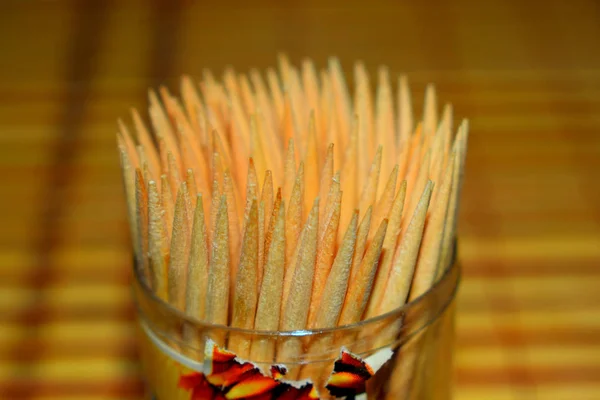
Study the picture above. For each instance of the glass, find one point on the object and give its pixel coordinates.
(404, 354)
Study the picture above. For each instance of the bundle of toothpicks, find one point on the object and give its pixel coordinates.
(279, 201)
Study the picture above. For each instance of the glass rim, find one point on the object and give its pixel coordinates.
(452, 269)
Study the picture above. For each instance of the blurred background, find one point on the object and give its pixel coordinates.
(526, 74)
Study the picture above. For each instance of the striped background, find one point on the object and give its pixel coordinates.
(527, 74)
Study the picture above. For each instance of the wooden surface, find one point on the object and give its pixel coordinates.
(527, 74)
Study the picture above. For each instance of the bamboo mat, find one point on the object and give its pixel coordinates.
(527, 74)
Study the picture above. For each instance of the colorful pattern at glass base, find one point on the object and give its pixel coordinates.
(223, 375)
(227, 377)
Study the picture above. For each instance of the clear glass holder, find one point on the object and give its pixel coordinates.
(403, 354)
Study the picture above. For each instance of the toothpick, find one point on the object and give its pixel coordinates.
(190, 181)
(246, 286)
(406, 256)
(325, 256)
(191, 101)
(289, 175)
(166, 199)
(383, 206)
(267, 198)
(217, 292)
(414, 193)
(430, 111)
(252, 189)
(361, 242)
(429, 253)
(125, 141)
(145, 140)
(360, 287)
(385, 124)
(162, 125)
(310, 83)
(216, 196)
(180, 247)
(299, 113)
(330, 304)
(143, 163)
(289, 127)
(276, 94)
(234, 234)
(197, 283)
(269, 301)
(326, 177)
(447, 246)
(265, 105)
(348, 177)
(297, 301)
(142, 234)
(332, 199)
(128, 176)
(369, 192)
(342, 98)
(173, 175)
(363, 106)
(247, 96)
(311, 165)
(261, 243)
(389, 248)
(405, 111)
(258, 146)
(158, 246)
(293, 224)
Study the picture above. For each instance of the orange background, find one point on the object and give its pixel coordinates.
(526, 74)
